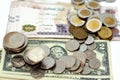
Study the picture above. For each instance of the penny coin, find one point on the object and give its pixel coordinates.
(86, 69)
(89, 40)
(94, 63)
(37, 73)
(93, 25)
(72, 45)
(69, 61)
(90, 54)
(60, 66)
(18, 61)
(105, 33)
(47, 63)
(92, 46)
(83, 47)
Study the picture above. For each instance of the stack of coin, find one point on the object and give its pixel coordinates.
(15, 42)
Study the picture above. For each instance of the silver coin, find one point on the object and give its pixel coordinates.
(18, 61)
(72, 45)
(76, 66)
(46, 49)
(79, 69)
(89, 40)
(92, 46)
(94, 63)
(80, 56)
(90, 54)
(47, 63)
(60, 66)
(37, 73)
(81, 41)
(110, 1)
(83, 47)
(86, 69)
(69, 61)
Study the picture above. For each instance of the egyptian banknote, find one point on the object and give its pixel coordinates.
(58, 49)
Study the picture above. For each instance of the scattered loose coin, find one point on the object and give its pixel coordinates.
(93, 25)
(72, 45)
(94, 63)
(47, 63)
(69, 61)
(92, 46)
(18, 61)
(105, 33)
(89, 40)
(37, 73)
(83, 47)
(60, 66)
(93, 5)
(90, 54)
(76, 66)
(86, 69)
(77, 2)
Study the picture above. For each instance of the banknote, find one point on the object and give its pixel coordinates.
(115, 11)
(48, 20)
(58, 50)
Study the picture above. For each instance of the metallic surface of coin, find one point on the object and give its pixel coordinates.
(60, 66)
(90, 54)
(83, 47)
(37, 73)
(18, 61)
(110, 1)
(93, 5)
(81, 67)
(78, 2)
(92, 46)
(94, 63)
(89, 40)
(47, 63)
(72, 45)
(46, 49)
(86, 69)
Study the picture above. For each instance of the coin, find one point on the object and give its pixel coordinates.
(84, 13)
(83, 47)
(79, 69)
(95, 16)
(60, 66)
(86, 69)
(94, 63)
(90, 54)
(76, 66)
(105, 33)
(92, 46)
(93, 5)
(110, 1)
(47, 63)
(89, 40)
(81, 41)
(76, 21)
(18, 61)
(77, 2)
(80, 33)
(93, 25)
(69, 61)
(36, 54)
(46, 49)
(71, 29)
(80, 56)
(37, 73)
(72, 45)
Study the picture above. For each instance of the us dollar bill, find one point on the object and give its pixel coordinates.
(58, 50)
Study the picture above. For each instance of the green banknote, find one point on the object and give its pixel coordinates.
(57, 48)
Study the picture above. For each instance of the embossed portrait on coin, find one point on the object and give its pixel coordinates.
(57, 52)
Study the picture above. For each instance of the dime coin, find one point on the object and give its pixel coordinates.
(72, 45)
(94, 63)
(83, 47)
(86, 69)
(89, 40)
(18, 61)
(47, 63)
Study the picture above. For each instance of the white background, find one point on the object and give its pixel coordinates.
(115, 45)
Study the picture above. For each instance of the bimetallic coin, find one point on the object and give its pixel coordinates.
(72, 45)
(47, 63)
(92, 46)
(78, 2)
(69, 61)
(37, 73)
(90, 54)
(93, 5)
(86, 69)
(60, 66)
(89, 40)
(93, 25)
(18, 61)
(83, 47)
(94, 63)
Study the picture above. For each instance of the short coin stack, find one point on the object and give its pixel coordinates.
(87, 20)
(15, 42)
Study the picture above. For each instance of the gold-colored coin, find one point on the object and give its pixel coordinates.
(93, 5)
(105, 33)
